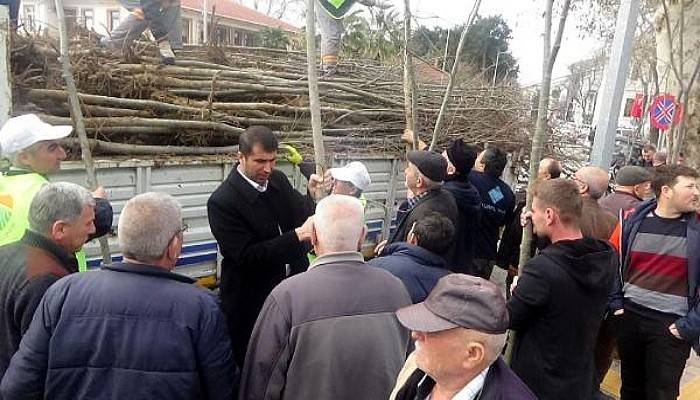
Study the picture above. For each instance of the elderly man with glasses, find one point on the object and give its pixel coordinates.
(133, 330)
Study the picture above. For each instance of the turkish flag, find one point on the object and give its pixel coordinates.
(637, 108)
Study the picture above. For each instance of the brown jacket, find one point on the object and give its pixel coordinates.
(595, 221)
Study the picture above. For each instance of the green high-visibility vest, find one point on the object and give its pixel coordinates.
(337, 8)
(16, 194)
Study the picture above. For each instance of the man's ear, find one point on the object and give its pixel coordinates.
(412, 238)
(57, 231)
(474, 355)
(314, 237)
(362, 238)
(174, 248)
(549, 215)
(240, 156)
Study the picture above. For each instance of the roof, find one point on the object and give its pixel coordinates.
(231, 9)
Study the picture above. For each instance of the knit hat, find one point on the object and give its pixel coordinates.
(462, 156)
(632, 175)
(430, 164)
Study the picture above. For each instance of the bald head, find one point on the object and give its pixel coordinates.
(549, 169)
(592, 181)
(338, 224)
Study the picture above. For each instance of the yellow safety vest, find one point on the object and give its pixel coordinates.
(16, 194)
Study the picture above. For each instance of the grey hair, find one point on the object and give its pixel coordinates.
(13, 157)
(427, 182)
(147, 225)
(494, 344)
(59, 201)
(339, 221)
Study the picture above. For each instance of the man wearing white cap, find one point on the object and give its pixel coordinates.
(351, 180)
(34, 150)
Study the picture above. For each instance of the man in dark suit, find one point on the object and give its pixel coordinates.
(425, 172)
(263, 228)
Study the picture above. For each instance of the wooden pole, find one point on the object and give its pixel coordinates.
(77, 115)
(314, 102)
(5, 87)
(409, 77)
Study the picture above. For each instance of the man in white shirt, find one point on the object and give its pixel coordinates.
(460, 330)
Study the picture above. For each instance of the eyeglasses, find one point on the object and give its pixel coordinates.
(183, 228)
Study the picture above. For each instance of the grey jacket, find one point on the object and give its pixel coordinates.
(328, 333)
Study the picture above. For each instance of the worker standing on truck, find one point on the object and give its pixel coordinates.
(330, 19)
(263, 228)
(34, 150)
(161, 16)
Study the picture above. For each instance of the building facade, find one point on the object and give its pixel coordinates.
(236, 24)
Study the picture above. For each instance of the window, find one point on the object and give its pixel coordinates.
(28, 16)
(223, 35)
(186, 28)
(112, 19)
(87, 18)
(71, 16)
(628, 107)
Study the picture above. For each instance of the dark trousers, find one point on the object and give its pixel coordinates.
(605, 346)
(652, 359)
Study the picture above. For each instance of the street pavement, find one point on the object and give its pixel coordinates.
(690, 383)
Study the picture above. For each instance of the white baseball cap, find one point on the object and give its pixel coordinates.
(18, 133)
(355, 173)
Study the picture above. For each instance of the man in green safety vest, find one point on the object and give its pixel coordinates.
(34, 150)
(330, 16)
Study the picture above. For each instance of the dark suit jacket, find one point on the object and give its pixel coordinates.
(256, 237)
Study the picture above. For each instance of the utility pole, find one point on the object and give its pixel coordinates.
(5, 87)
(615, 79)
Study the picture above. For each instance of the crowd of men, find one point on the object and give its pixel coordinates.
(303, 315)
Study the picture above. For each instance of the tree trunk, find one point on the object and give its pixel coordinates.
(677, 62)
(453, 74)
(540, 136)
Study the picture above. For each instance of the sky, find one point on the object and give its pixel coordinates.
(525, 18)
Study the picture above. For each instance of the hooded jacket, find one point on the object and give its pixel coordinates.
(556, 309)
(468, 202)
(688, 326)
(418, 268)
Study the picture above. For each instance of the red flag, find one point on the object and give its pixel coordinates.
(637, 108)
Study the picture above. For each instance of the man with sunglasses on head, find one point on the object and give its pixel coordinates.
(133, 330)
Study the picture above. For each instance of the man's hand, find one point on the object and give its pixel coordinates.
(315, 183)
(514, 284)
(674, 331)
(100, 193)
(380, 247)
(525, 218)
(305, 231)
(407, 136)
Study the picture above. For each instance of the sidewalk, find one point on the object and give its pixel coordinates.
(690, 383)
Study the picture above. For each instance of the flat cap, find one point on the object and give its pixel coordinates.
(430, 164)
(458, 300)
(632, 175)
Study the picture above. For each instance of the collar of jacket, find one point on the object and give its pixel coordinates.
(249, 192)
(421, 255)
(150, 270)
(621, 193)
(342, 256)
(66, 259)
(14, 171)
